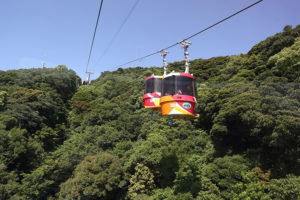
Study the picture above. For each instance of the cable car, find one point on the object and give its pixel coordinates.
(179, 92)
(152, 92)
(153, 88)
(179, 96)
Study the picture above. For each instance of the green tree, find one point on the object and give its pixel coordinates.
(142, 182)
(3, 99)
(9, 182)
(188, 177)
(253, 186)
(285, 188)
(287, 62)
(99, 176)
(224, 173)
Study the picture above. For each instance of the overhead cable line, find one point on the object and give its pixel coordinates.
(91, 49)
(189, 37)
(119, 30)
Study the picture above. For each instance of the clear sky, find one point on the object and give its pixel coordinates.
(60, 31)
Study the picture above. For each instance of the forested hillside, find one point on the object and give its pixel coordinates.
(63, 140)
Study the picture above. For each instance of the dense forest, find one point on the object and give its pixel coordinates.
(63, 140)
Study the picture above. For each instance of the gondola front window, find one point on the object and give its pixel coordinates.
(157, 85)
(184, 86)
(168, 86)
(153, 85)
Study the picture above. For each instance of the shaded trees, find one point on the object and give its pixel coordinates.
(99, 176)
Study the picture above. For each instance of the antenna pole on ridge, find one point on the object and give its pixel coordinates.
(185, 45)
(164, 54)
(89, 77)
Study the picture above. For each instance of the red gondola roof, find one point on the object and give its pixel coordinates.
(153, 77)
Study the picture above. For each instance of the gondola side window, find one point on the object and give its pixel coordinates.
(157, 85)
(195, 89)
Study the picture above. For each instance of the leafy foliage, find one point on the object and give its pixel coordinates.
(141, 182)
(99, 176)
(33, 113)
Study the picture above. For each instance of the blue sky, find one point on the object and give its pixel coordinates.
(60, 31)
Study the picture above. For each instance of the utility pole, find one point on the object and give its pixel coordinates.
(43, 64)
(185, 45)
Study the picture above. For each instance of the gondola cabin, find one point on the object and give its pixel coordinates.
(179, 95)
(153, 92)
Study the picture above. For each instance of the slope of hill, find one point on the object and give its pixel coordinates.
(60, 141)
